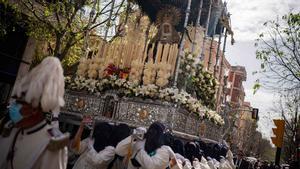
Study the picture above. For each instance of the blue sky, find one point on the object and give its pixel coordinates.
(247, 19)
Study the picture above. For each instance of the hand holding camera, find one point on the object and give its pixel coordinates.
(87, 119)
(138, 133)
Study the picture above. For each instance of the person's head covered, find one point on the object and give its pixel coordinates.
(43, 86)
(154, 137)
(101, 135)
(119, 133)
(191, 151)
(168, 139)
(178, 147)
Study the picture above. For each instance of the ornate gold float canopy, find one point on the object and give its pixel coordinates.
(166, 20)
(152, 8)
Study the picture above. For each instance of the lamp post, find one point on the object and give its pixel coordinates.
(180, 51)
(229, 127)
(197, 25)
(205, 32)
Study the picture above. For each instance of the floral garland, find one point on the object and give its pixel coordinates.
(152, 91)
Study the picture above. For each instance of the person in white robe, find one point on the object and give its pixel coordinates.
(216, 163)
(28, 140)
(183, 162)
(149, 153)
(187, 164)
(178, 148)
(196, 164)
(229, 157)
(204, 164)
(224, 164)
(120, 132)
(95, 152)
(174, 161)
(210, 163)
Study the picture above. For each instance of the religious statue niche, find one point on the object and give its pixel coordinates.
(167, 18)
(109, 107)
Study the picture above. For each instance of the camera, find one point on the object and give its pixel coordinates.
(139, 133)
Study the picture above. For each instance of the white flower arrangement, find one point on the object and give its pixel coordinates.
(163, 74)
(205, 86)
(151, 91)
(149, 73)
(68, 79)
(136, 71)
(92, 69)
(168, 93)
(188, 64)
(83, 67)
(202, 82)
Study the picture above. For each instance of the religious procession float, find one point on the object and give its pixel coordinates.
(153, 72)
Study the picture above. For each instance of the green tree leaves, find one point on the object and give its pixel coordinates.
(65, 23)
(278, 50)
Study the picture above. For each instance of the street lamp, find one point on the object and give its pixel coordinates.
(255, 113)
(231, 127)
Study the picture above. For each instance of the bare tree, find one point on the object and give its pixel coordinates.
(265, 150)
(289, 107)
(247, 134)
(279, 53)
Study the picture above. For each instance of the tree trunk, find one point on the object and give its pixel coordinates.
(295, 136)
(57, 45)
(66, 49)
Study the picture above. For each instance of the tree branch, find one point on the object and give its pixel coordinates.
(31, 9)
(293, 49)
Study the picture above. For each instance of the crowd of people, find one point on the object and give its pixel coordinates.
(29, 139)
(118, 147)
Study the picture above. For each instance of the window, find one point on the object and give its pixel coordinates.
(238, 81)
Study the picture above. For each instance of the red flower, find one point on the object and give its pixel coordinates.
(116, 71)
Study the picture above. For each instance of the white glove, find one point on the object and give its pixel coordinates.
(138, 145)
(229, 155)
(138, 133)
(91, 143)
(187, 165)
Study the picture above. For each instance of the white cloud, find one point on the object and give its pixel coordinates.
(260, 99)
(247, 19)
(248, 16)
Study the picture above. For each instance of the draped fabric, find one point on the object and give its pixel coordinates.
(90, 159)
(157, 161)
(216, 11)
(31, 152)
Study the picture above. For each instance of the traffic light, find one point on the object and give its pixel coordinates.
(278, 132)
(255, 113)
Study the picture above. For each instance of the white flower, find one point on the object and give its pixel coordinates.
(113, 78)
(187, 67)
(105, 81)
(193, 73)
(151, 90)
